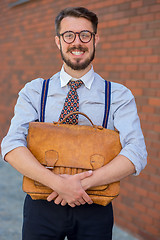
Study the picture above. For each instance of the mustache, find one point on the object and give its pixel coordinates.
(80, 48)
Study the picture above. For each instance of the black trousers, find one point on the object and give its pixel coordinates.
(47, 221)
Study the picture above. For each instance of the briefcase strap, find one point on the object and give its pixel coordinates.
(107, 101)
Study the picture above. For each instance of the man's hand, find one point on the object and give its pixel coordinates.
(71, 191)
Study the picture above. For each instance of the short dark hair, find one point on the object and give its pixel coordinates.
(76, 12)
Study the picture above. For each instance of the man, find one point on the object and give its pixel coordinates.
(72, 213)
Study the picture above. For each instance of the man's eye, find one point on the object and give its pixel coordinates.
(69, 35)
(85, 35)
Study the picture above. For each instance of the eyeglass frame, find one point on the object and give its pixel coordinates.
(75, 33)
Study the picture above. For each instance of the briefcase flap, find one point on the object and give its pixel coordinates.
(72, 146)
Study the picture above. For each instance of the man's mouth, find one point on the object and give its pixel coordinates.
(77, 53)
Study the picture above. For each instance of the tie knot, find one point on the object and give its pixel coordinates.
(75, 84)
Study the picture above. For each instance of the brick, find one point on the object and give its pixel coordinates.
(121, 52)
(157, 128)
(125, 75)
(140, 43)
(129, 28)
(115, 60)
(106, 45)
(136, 4)
(149, 2)
(112, 23)
(148, 34)
(157, 33)
(153, 42)
(136, 19)
(112, 8)
(134, 35)
(148, 203)
(117, 45)
(145, 67)
(157, 207)
(155, 67)
(140, 207)
(126, 60)
(147, 17)
(152, 59)
(158, 93)
(133, 51)
(154, 101)
(155, 119)
(153, 230)
(151, 76)
(109, 67)
(99, 5)
(122, 6)
(141, 192)
(157, 16)
(127, 44)
(141, 26)
(143, 10)
(155, 84)
(119, 68)
(138, 59)
(143, 217)
(155, 8)
(137, 91)
(131, 67)
(155, 179)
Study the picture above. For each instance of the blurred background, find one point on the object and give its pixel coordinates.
(128, 53)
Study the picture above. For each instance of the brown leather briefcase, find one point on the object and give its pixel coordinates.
(71, 149)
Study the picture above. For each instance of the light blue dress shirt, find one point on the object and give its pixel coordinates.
(123, 112)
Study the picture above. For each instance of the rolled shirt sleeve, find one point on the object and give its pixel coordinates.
(26, 110)
(126, 121)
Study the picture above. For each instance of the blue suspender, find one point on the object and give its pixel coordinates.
(107, 101)
(44, 99)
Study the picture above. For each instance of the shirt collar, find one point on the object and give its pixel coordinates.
(87, 79)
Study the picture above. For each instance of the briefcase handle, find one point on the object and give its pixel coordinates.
(72, 113)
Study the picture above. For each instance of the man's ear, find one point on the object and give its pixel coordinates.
(96, 39)
(57, 41)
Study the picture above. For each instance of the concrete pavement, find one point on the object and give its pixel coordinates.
(11, 206)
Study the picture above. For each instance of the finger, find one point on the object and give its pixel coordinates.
(84, 174)
(63, 203)
(58, 200)
(71, 204)
(82, 201)
(52, 196)
(77, 203)
(87, 198)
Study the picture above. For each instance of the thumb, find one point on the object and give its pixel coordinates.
(85, 174)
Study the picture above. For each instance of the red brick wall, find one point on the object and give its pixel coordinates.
(128, 53)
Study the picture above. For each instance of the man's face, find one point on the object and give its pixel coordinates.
(76, 55)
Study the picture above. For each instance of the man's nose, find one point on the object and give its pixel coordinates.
(77, 39)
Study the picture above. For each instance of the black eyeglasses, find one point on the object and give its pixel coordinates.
(85, 36)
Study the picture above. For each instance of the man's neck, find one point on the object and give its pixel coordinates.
(76, 73)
